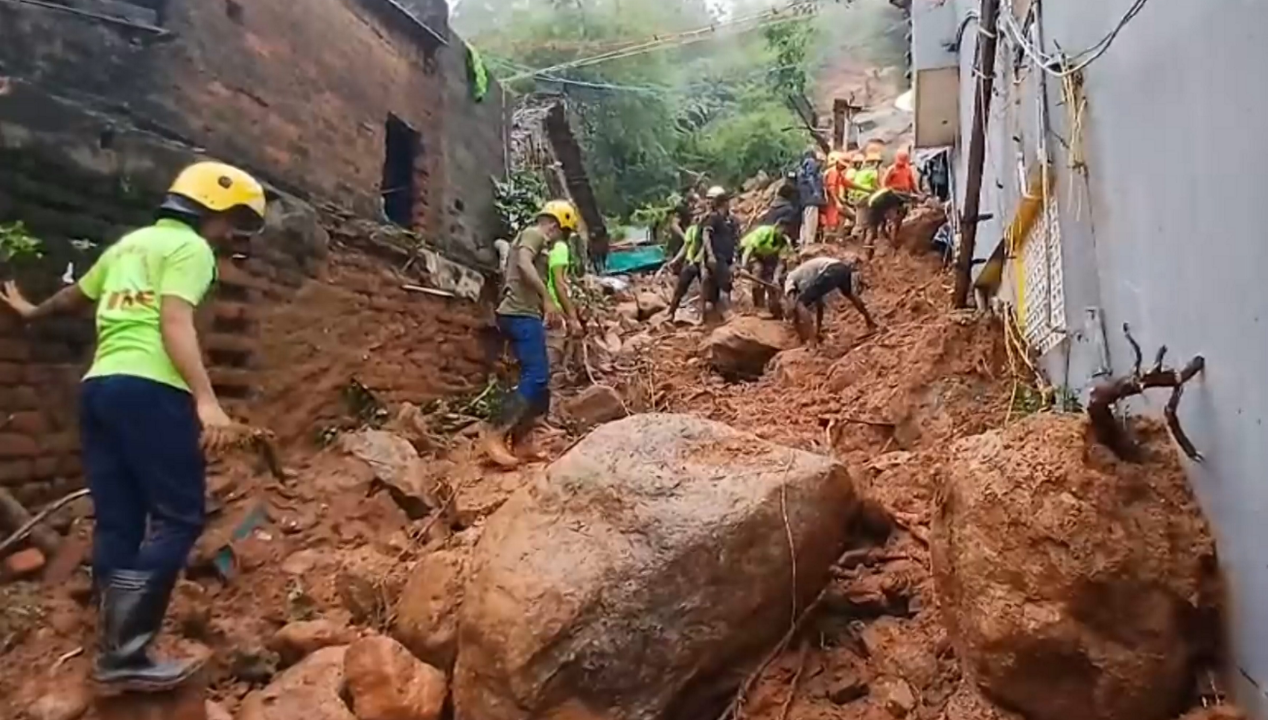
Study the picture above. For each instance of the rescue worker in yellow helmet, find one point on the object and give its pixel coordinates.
(148, 412)
(526, 308)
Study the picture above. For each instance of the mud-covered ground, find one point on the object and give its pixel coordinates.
(334, 545)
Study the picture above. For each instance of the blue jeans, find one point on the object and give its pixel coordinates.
(140, 441)
(528, 338)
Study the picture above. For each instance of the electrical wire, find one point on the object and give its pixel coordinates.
(1065, 65)
(793, 11)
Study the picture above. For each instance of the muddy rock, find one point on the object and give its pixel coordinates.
(649, 304)
(299, 639)
(1048, 553)
(896, 695)
(920, 226)
(427, 611)
(595, 405)
(650, 560)
(68, 702)
(387, 683)
(410, 424)
(310, 690)
(396, 464)
(743, 347)
(23, 564)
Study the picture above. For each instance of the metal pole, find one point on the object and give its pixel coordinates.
(977, 151)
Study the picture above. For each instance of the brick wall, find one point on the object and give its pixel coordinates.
(299, 93)
(287, 328)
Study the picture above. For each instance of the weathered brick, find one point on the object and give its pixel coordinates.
(59, 443)
(12, 348)
(13, 445)
(24, 397)
(27, 422)
(13, 472)
(69, 466)
(11, 373)
(44, 468)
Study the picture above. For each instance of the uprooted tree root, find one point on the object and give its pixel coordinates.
(1102, 414)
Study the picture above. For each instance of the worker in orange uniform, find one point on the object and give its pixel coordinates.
(148, 412)
(836, 186)
(901, 176)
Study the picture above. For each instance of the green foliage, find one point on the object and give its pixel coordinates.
(17, 245)
(652, 123)
(790, 43)
(518, 200)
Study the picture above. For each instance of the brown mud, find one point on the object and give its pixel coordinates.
(335, 545)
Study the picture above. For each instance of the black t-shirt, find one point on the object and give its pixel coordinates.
(724, 235)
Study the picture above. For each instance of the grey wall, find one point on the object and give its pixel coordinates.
(1167, 232)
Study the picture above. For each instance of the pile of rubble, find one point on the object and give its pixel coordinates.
(736, 527)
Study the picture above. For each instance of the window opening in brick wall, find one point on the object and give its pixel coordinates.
(402, 146)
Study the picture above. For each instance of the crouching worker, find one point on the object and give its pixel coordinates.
(148, 411)
(762, 251)
(526, 308)
(807, 287)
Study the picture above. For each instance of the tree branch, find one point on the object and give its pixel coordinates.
(1102, 414)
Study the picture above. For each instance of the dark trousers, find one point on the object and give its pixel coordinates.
(141, 453)
(690, 272)
(528, 337)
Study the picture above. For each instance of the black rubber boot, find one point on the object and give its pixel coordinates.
(130, 612)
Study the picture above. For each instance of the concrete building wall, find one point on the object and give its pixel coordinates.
(1166, 231)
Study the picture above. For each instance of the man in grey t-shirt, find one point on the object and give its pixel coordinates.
(807, 286)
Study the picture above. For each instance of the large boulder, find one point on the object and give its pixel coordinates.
(1073, 586)
(743, 347)
(652, 559)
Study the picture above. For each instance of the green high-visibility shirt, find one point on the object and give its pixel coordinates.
(764, 241)
(166, 259)
(558, 257)
(692, 242)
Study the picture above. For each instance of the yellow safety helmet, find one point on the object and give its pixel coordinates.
(214, 187)
(563, 212)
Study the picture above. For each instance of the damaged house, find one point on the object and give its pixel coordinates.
(359, 115)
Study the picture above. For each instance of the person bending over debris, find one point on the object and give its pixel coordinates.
(527, 306)
(148, 411)
(719, 250)
(886, 210)
(807, 287)
(762, 251)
